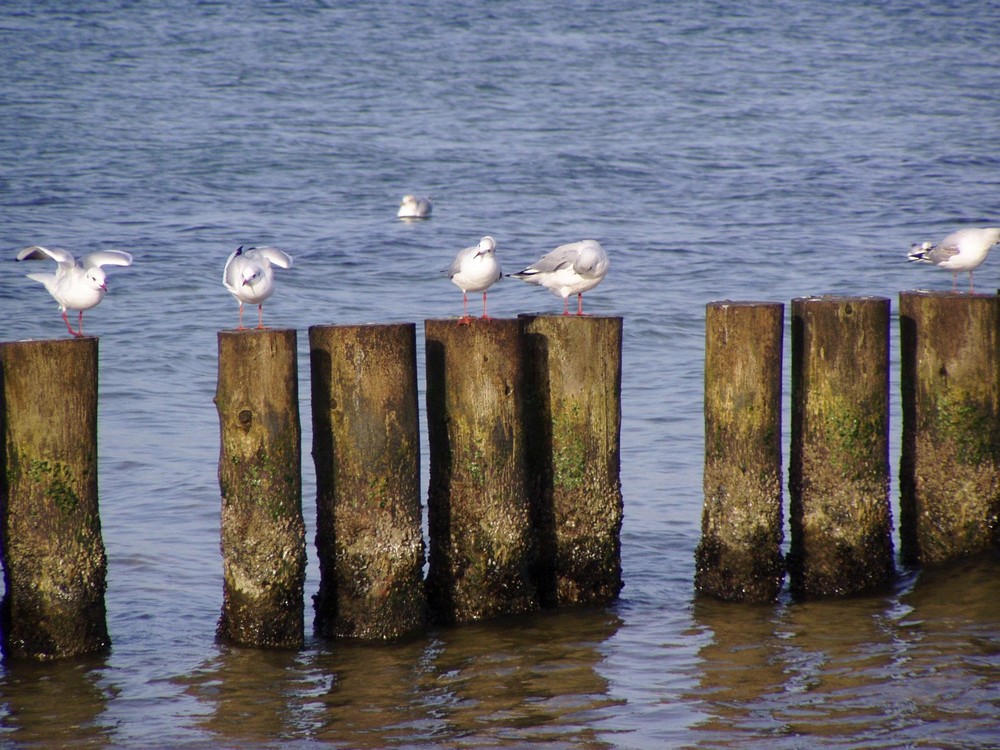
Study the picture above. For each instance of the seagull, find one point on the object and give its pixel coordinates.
(964, 250)
(412, 207)
(249, 277)
(475, 269)
(76, 284)
(569, 269)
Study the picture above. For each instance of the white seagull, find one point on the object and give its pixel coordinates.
(964, 250)
(76, 285)
(249, 277)
(412, 207)
(475, 269)
(569, 269)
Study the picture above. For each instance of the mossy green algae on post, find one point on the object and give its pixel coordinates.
(739, 555)
(263, 534)
(366, 448)
(50, 530)
(573, 382)
(950, 465)
(839, 463)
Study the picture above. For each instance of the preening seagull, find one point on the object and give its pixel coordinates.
(569, 269)
(76, 285)
(964, 250)
(249, 276)
(475, 269)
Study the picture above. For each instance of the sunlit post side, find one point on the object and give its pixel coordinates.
(50, 531)
(949, 477)
(573, 369)
(839, 460)
(366, 447)
(481, 542)
(263, 534)
(739, 556)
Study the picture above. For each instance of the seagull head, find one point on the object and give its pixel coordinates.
(487, 245)
(97, 279)
(251, 276)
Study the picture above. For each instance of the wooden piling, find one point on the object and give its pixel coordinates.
(263, 535)
(739, 556)
(839, 460)
(366, 447)
(479, 514)
(50, 529)
(949, 477)
(573, 376)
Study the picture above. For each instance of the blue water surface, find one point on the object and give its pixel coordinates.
(749, 150)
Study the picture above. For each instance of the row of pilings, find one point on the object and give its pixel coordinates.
(839, 466)
(524, 499)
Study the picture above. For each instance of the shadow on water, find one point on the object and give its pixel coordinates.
(844, 671)
(503, 683)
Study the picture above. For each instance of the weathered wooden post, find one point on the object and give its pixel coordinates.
(949, 477)
(263, 535)
(573, 376)
(839, 460)
(739, 556)
(50, 530)
(479, 513)
(366, 447)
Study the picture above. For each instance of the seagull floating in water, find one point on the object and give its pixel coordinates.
(964, 250)
(76, 285)
(569, 269)
(413, 207)
(249, 276)
(475, 269)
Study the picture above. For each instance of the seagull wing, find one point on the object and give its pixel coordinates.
(37, 252)
(277, 257)
(456, 265)
(230, 274)
(561, 257)
(106, 258)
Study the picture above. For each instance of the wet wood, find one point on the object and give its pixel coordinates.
(573, 371)
(366, 447)
(839, 460)
(739, 555)
(481, 543)
(263, 535)
(50, 529)
(949, 476)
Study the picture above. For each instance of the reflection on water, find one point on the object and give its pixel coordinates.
(502, 683)
(55, 704)
(867, 670)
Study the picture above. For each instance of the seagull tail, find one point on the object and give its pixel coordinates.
(525, 275)
(918, 253)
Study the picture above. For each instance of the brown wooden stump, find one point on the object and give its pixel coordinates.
(479, 513)
(263, 535)
(839, 461)
(949, 477)
(573, 371)
(366, 447)
(50, 529)
(739, 556)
